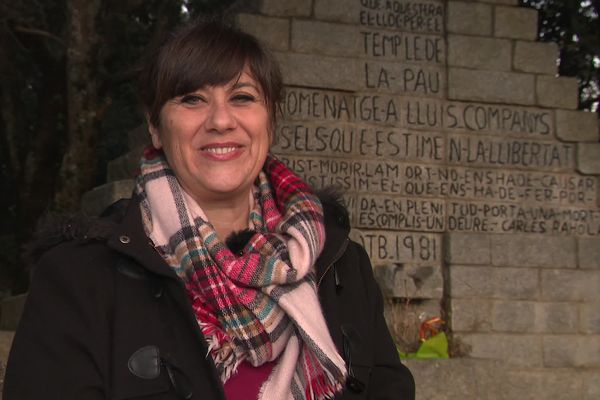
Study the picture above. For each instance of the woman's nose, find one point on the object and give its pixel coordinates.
(220, 117)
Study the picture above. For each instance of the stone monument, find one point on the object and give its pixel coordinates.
(470, 176)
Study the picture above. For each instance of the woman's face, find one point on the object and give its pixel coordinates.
(215, 139)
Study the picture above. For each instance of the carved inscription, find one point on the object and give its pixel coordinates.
(509, 153)
(407, 179)
(511, 186)
(404, 78)
(412, 164)
(480, 118)
(515, 218)
(415, 113)
(360, 140)
(307, 104)
(386, 247)
(406, 214)
(424, 16)
(359, 175)
(403, 47)
(397, 213)
(435, 215)
(404, 145)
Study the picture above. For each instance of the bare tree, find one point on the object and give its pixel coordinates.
(79, 163)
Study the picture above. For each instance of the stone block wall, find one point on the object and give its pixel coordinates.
(470, 176)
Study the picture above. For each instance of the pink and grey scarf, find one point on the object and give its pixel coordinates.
(260, 305)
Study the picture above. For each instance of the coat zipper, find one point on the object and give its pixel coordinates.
(337, 256)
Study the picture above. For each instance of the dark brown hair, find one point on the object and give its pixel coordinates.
(205, 54)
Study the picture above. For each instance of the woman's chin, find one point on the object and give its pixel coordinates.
(223, 189)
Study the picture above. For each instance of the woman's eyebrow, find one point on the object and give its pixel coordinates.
(239, 85)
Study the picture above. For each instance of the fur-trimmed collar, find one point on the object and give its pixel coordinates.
(54, 229)
(333, 206)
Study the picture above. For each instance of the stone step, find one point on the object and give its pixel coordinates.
(125, 166)
(459, 378)
(10, 311)
(97, 199)
(6, 338)
(480, 379)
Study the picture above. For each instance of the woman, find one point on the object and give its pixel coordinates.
(224, 277)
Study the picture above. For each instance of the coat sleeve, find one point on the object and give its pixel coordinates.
(390, 379)
(60, 350)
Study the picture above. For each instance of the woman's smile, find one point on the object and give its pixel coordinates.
(222, 151)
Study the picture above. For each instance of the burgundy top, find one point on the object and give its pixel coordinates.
(246, 383)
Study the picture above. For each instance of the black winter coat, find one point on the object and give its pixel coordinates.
(106, 318)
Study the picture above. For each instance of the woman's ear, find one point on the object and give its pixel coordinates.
(154, 134)
(272, 134)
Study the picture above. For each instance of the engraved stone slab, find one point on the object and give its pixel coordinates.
(402, 47)
(355, 74)
(403, 145)
(507, 185)
(355, 41)
(403, 15)
(420, 80)
(347, 140)
(317, 105)
(387, 248)
(495, 119)
(433, 215)
(510, 153)
(397, 213)
(349, 175)
(423, 16)
(465, 216)
(417, 113)
(425, 181)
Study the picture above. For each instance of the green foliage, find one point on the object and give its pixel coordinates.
(431, 348)
(575, 26)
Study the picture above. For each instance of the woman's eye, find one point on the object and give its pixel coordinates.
(243, 98)
(191, 99)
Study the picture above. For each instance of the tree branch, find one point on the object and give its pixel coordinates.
(40, 32)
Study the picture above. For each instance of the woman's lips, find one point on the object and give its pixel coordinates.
(222, 151)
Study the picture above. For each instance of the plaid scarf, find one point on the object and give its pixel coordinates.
(260, 305)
